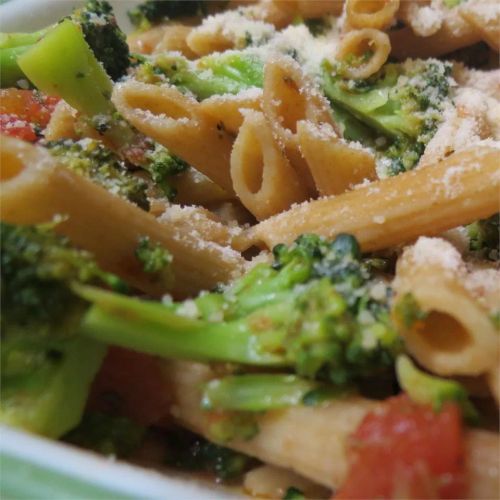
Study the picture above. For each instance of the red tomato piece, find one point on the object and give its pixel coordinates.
(131, 384)
(406, 450)
(21, 111)
(13, 126)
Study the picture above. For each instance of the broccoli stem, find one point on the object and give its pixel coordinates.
(63, 64)
(255, 392)
(11, 73)
(153, 328)
(9, 40)
(50, 400)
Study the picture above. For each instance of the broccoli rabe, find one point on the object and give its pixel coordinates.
(107, 434)
(402, 103)
(484, 237)
(46, 368)
(311, 311)
(96, 21)
(188, 451)
(151, 12)
(92, 159)
(222, 73)
(428, 389)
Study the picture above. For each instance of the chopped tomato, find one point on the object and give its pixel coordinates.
(15, 127)
(131, 384)
(405, 450)
(21, 111)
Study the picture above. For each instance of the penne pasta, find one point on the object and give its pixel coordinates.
(258, 167)
(358, 44)
(175, 121)
(226, 109)
(485, 18)
(454, 336)
(288, 98)
(376, 14)
(456, 191)
(336, 166)
(104, 224)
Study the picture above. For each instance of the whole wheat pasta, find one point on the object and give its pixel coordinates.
(105, 224)
(360, 44)
(175, 120)
(258, 168)
(427, 201)
(456, 336)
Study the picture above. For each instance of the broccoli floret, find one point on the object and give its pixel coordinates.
(89, 157)
(105, 38)
(46, 368)
(428, 389)
(293, 493)
(156, 260)
(187, 451)
(311, 311)
(402, 102)
(155, 11)
(96, 21)
(162, 165)
(216, 74)
(107, 434)
(484, 237)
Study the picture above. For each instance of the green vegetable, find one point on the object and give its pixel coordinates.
(46, 370)
(154, 257)
(408, 311)
(155, 11)
(97, 23)
(484, 237)
(293, 493)
(92, 159)
(216, 74)
(187, 451)
(428, 389)
(401, 102)
(310, 311)
(107, 434)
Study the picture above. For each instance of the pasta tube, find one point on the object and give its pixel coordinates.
(454, 335)
(262, 176)
(175, 120)
(335, 165)
(378, 14)
(288, 98)
(35, 188)
(426, 201)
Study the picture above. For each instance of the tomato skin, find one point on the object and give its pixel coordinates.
(131, 384)
(405, 450)
(23, 110)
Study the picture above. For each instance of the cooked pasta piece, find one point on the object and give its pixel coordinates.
(364, 52)
(312, 440)
(175, 120)
(226, 109)
(62, 123)
(335, 164)
(259, 168)
(289, 97)
(194, 188)
(35, 189)
(485, 17)
(145, 42)
(175, 39)
(377, 14)
(452, 334)
(453, 34)
(426, 201)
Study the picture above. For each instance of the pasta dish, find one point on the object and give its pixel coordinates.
(259, 241)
